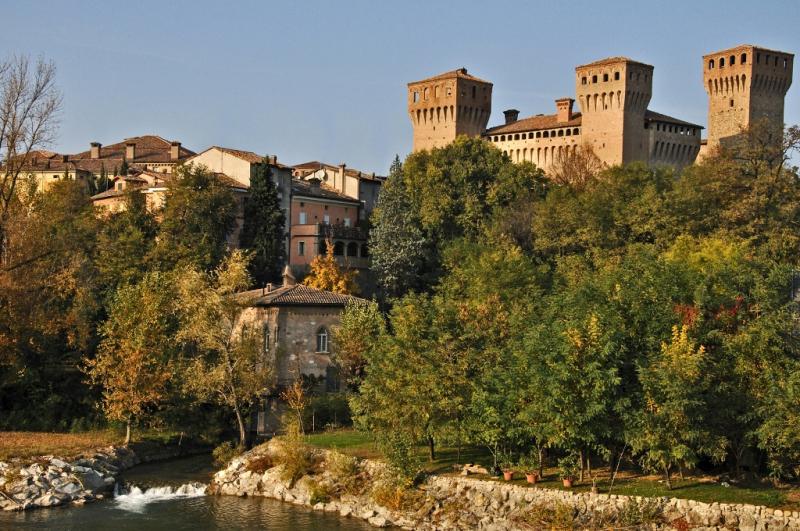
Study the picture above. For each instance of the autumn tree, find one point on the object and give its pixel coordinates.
(138, 355)
(325, 273)
(225, 363)
(575, 167)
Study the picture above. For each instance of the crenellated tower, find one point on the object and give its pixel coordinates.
(445, 106)
(613, 95)
(744, 84)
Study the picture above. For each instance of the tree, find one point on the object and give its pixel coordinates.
(263, 229)
(671, 430)
(198, 215)
(227, 364)
(326, 274)
(398, 247)
(575, 168)
(125, 243)
(29, 107)
(360, 326)
(137, 357)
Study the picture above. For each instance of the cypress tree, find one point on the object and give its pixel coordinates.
(263, 228)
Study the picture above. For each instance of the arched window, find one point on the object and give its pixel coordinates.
(545, 134)
(710, 64)
(594, 79)
(425, 93)
(352, 249)
(732, 60)
(364, 250)
(474, 92)
(560, 132)
(743, 59)
(516, 137)
(616, 76)
(721, 62)
(338, 249)
(538, 134)
(436, 91)
(583, 80)
(322, 340)
(605, 77)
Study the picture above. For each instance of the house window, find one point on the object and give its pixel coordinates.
(616, 76)
(326, 219)
(302, 218)
(55, 176)
(322, 340)
(301, 248)
(416, 96)
(346, 222)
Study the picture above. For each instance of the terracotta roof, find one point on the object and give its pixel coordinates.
(652, 116)
(297, 295)
(611, 60)
(108, 193)
(304, 188)
(458, 73)
(230, 181)
(248, 156)
(535, 123)
(149, 148)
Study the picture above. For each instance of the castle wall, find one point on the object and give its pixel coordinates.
(535, 147)
(671, 144)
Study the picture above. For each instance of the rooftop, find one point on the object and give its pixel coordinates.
(652, 116)
(297, 295)
(315, 165)
(248, 156)
(535, 123)
(149, 148)
(305, 189)
(612, 60)
(748, 46)
(459, 73)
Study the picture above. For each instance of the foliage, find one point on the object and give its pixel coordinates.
(325, 273)
(224, 453)
(530, 463)
(320, 492)
(360, 326)
(263, 228)
(293, 454)
(569, 466)
(198, 214)
(636, 513)
(344, 470)
(227, 365)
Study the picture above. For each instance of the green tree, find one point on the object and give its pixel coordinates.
(360, 327)
(263, 228)
(198, 215)
(226, 365)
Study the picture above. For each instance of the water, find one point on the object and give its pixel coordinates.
(171, 496)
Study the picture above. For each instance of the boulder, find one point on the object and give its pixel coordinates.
(92, 481)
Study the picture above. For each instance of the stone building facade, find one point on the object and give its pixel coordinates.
(744, 83)
(445, 106)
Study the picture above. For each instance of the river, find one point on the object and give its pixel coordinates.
(170, 496)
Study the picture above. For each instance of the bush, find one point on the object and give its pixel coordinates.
(395, 493)
(548, 516)
(320, 492)
(402, 456)
(225, 452)
(328, 410)
(260, 464)
(635, 513)
(294, 454)
(569, 466)
(344, 471)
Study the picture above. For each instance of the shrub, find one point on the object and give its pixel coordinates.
(402, 456)
(294, 454)
(635, 513)
(320, 492)
(344, 471)
(548, 516)
(394, 493)
(568, 466)
(225, 452)
(260, 464)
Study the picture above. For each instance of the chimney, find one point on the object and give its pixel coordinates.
(314, 183)
(511, 116)
(130, 151)
(288, 277)
(273, 159)
(174, 150)
(269, 287)
(339, 183)
(564, 109)
(95, 150)
(64, 158)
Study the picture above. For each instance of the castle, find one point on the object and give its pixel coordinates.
(744, 84)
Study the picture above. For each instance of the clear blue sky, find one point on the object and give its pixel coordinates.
(325, 80)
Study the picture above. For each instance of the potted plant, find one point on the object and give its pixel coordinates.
(568, 467)
(507, 465)
(530, 466)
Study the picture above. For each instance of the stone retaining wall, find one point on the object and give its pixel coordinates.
(448, 502)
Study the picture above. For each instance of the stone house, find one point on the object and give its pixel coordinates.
(296, 324)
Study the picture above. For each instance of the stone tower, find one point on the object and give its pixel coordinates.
(445, 106)
(613, 95)
(744, 85)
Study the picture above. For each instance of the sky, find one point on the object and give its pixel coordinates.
(326, 80)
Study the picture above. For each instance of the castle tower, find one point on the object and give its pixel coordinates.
(744, 85)
(613, 95)
(445, 106)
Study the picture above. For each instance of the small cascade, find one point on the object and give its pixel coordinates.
(133, 498)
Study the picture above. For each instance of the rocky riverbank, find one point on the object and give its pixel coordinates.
(451, 502)
(48, 481)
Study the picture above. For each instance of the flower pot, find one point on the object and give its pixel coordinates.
(532, 478)
(567, 483)
(508, 474)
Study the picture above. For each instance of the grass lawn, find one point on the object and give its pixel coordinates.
(629, 483)
(32, 443)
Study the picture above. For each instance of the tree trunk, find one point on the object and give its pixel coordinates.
(431, 449)
(589, 465)
(127, 433)
(580, 477)
(240, 422)
(680, 471)
(541, 461)
(666, 474)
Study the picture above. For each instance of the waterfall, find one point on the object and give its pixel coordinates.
(133, 498)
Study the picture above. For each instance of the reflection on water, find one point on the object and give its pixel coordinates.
(166, 496)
